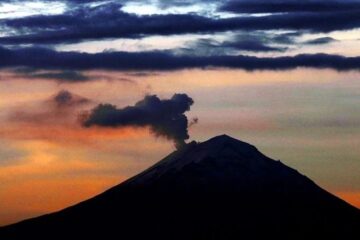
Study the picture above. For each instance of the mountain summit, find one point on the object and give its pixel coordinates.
(219, 189)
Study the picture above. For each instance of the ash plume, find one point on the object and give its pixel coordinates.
(164, 117)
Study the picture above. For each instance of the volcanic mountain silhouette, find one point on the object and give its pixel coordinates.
(219, 189)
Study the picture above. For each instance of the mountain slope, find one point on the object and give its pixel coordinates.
(220, 189)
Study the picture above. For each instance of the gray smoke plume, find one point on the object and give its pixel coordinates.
(164, 117)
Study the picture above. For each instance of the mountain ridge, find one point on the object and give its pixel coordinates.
(221, 187)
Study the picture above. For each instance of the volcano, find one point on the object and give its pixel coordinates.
(219, 189)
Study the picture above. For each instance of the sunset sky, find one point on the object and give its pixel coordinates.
(282, 75)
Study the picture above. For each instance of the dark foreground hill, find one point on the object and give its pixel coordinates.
(220, 189)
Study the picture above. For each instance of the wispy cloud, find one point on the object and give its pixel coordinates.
(61, 108)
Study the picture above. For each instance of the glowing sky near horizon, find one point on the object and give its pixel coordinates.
(307, 117)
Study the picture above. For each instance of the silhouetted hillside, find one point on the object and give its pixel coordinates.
(219, 189)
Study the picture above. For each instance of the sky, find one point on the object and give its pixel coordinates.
(93, 92)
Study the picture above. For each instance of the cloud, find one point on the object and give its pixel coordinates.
(252, 46)
(320, 41)
(164, 117)
(254, 42)
(61, 76)
(241, 42)
(107, 21)
(65, 98)
(70, 76)
(142, 74)
(286, 38)
(281, 6)
(203, 47)
(41, 58)
(61, 108)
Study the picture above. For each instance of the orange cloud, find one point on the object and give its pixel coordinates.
(67, 134)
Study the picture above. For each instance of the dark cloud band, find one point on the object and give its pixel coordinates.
(109, 21)
(62, 76)
(40, 58)
(279, 6)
